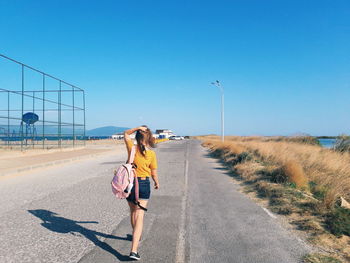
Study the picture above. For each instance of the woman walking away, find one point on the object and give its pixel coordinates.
(146, 166)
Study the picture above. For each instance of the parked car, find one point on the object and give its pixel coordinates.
(177, 138)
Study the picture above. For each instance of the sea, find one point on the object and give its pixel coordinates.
(327, 143)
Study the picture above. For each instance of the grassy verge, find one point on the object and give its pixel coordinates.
(319, 258)
(296, 179)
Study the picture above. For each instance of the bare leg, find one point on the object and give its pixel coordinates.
(132, 214)
(136, 235)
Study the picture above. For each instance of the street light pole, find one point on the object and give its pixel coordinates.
(217, 84)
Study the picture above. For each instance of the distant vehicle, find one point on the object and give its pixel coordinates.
(118, 136)
(176, 138)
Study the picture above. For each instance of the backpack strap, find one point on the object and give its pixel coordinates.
(132, 154)
(136, 184)
(138, 204)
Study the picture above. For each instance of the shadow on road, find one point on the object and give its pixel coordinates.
(58, 224)
(222, 165)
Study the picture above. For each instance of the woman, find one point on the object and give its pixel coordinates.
(146, 167)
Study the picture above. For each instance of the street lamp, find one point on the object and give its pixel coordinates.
(217, 84)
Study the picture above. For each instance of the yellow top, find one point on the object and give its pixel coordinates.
(144, 163)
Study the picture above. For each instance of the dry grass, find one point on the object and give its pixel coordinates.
(303, 163)
(295, 174)
(297, 179)
(319, 258)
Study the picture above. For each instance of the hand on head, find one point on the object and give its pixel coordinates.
(143, 128)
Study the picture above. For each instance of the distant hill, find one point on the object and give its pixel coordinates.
(105, 131)
(300, 134)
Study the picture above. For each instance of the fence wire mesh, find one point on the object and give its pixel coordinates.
(38, 110)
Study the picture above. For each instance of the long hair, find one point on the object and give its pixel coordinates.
(144, 138)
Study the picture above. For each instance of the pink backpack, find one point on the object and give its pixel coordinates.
(124, 178)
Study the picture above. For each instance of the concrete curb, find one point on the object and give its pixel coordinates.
(52, 163)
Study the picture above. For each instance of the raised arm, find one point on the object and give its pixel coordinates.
(127, 134)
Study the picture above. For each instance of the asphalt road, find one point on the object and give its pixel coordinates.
(68, 214)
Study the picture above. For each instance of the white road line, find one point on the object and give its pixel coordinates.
(269, 213)
(180, 246)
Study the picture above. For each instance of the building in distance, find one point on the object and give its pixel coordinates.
(164, 133)
(159, 134)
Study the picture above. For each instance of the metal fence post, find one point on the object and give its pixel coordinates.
(33, 135)
(59, 115)
(8, 119)
(22, 107)
(73, 89)
(43, 111)
(84, 139)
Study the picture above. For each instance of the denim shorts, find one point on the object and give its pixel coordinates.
(144, 190)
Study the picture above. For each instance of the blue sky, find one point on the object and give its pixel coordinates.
(284, 65)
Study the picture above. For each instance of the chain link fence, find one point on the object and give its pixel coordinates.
(38, 110)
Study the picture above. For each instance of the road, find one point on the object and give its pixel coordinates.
(68, 214)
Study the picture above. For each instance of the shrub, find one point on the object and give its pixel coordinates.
(309, 206)
(234, 159)
(277, 202)
(290, 172)
(278, 176)
(283, 210)
(304, 140)
(338, 221)
(268, 190)
(318, 191)
(318, 258)
(262, 188)
(307, 224)
(244, 156)
(275, 175)
(280, 206)
(295, 174)
(342, 144)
